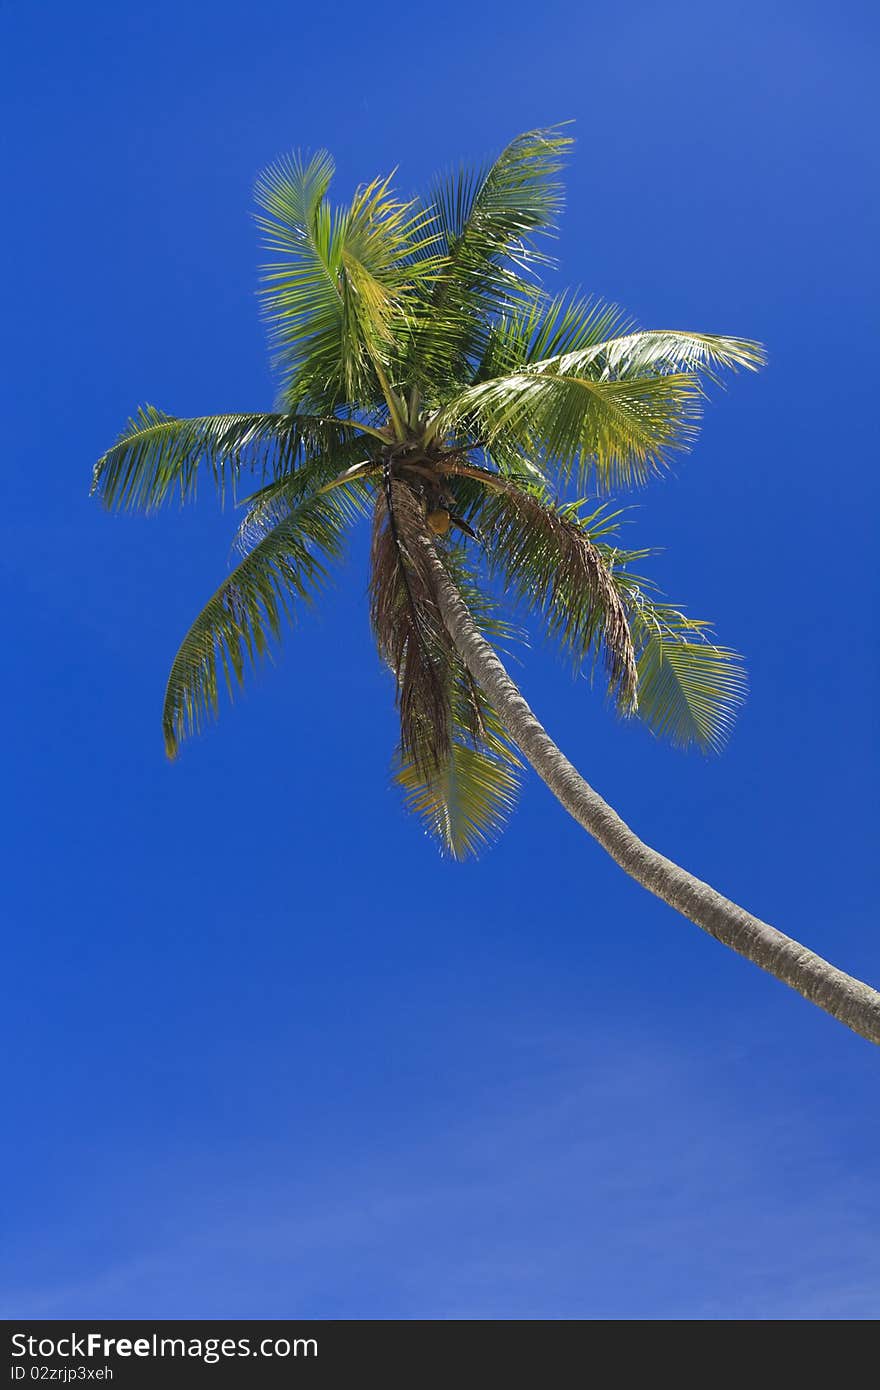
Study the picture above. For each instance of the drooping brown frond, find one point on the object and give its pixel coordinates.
(552, 563)
(466, 799)
(407, 625)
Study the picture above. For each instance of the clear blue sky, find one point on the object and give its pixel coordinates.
(264, 1052)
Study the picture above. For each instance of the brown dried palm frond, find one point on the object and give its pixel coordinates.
(547, 556)
(465, 800)
(407, 625)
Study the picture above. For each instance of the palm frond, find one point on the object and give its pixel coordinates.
(548, 558)
(159, 456)
(486, 223)
(465, 798)
(487, 216)
(689, 687)
(276, 501)
(234, 629)
(608, 432)
(634, 353)
(409, 630)
(345, 281)
(542, 328)
(388, 254)
(667, 350)
(554, 386)
(465, 801)
(300, 294)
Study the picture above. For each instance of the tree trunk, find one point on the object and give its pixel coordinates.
(841, 995)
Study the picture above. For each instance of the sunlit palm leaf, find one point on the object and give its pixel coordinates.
(612, 433)
(344, 284)
(390, 253)
(301, 294)
(634, 354)
(618, 405)
(543, 328)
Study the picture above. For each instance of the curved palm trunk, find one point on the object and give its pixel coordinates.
(841, 995)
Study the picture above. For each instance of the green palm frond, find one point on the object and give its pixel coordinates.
(346, 282)
(669, 350)
(485, 217)
(274, 502)
(301, 295)
(234, 629)
(159, 456)
(466, 800)
(487, 222)
(543, 328)
(689, 688)
(635, 353)
(612, 433)
(390, 252)
(615, 407)
(465, 797)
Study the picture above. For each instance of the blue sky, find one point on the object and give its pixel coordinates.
(265, 1054)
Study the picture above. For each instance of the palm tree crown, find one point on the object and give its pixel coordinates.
(427, 378)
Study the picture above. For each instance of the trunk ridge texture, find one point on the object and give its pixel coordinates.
(847, 999)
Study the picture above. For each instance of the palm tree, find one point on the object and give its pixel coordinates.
(429, 380)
